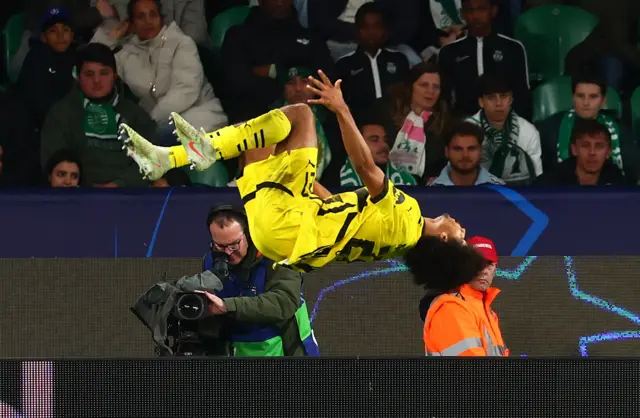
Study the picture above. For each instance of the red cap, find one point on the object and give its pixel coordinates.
(485, 247)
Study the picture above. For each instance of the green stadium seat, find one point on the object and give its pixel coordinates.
(216, 176)
(549, 33)
(221, 23)
(12, 37)
(555, 96)
(635, 113)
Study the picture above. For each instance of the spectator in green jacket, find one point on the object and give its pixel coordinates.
(87, 119)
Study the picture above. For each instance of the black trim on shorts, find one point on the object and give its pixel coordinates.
(266, 185)
(337, 209)
(383, 193)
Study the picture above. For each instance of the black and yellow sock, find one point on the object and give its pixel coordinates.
(260, 132)
(178, 156)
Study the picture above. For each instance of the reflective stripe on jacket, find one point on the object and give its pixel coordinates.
(463, 324)
(264, 339)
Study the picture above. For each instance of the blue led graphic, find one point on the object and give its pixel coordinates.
(539, 218)
(606, 305)
(154, 236)
(395, 266)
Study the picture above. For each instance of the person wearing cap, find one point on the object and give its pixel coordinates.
(47, 74)
(457, 314)
(86, 121)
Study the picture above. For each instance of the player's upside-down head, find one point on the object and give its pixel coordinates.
(444, 227)
(443, 265)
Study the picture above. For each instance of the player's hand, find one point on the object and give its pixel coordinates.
(329, 94)
(217, 305)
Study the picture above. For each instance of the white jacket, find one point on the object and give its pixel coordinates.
(166, 74)
(528, 140)
(188, 14)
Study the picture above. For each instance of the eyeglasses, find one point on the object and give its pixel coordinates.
(234, 246)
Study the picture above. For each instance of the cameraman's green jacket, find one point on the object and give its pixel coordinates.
(276, 302)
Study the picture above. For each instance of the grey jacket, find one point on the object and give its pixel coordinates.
(188, 14)
(166, 74)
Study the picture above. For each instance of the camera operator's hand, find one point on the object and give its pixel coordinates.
(217, 305)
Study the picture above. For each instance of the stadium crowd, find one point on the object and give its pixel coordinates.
(74, 70)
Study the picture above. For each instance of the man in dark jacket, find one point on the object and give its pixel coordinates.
(266, 312)
(87, 121)
(334, 19)
(481, 51)
(270, 36)
(590, 164)
(367, 72)
(47, 75)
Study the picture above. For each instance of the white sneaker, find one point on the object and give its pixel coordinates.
(154, 161)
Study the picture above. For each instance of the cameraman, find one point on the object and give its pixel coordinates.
(267, 313)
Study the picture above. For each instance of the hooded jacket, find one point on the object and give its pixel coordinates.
(166, 74)
(462, 323)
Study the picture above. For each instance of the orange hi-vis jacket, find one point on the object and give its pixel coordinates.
(463, 324)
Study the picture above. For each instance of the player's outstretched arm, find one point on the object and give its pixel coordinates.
(357, 149)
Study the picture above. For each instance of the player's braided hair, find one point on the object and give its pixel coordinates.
(443, 266)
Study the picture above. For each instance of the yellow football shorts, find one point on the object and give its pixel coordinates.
(283, 212)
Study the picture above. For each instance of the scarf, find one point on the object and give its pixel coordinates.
(101, 121)
(498, 145)
(566, 129)
(398, 175)
(408, 151)
(450, 14)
